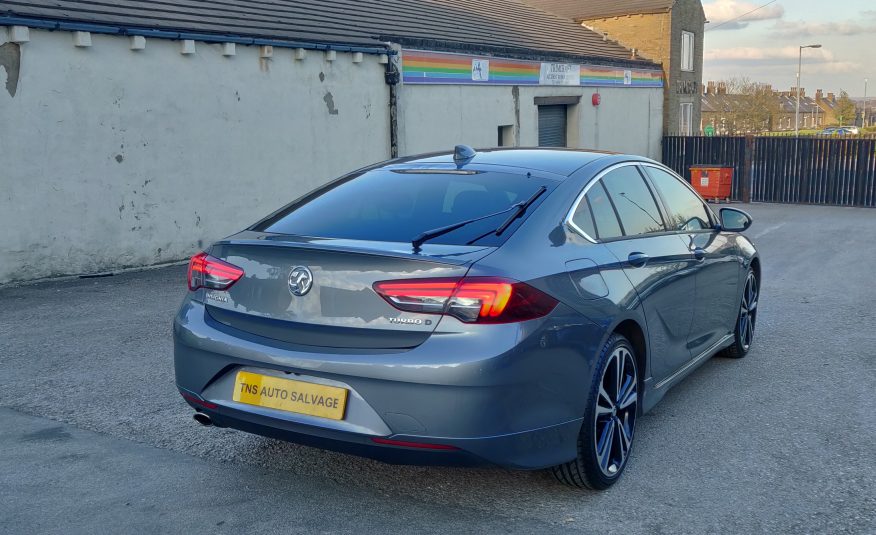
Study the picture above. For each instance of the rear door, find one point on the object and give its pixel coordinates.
(627, 219)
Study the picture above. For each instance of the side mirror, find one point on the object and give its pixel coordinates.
(733, 220)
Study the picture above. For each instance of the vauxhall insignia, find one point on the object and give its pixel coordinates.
(300, 280)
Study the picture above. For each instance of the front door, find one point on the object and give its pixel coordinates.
(716, 261)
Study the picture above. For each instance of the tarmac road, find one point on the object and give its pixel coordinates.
(94, 437)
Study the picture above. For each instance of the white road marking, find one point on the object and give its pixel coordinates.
(767, 230)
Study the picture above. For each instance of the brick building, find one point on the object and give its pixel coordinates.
(667, 31)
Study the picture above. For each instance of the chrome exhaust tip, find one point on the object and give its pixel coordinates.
(203, 419)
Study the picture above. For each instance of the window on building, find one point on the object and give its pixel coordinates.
(685, 119)
(506, 136)
(687, 51)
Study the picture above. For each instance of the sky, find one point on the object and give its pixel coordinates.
(763, 46)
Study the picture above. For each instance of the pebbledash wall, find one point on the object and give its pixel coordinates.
(455, 98)
(112, 157)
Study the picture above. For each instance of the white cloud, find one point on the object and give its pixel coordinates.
(866, 24)
(766, 53)
(835, 67)
(720, 12)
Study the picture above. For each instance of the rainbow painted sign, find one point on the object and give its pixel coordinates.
(419, 67)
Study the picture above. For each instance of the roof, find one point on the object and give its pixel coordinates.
(729, 103)
(597, 9)
(487, 26)
(558, 161)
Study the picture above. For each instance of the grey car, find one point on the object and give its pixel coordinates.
(520, 308)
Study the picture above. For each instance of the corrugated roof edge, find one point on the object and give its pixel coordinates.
(123, 30)
(518, 53)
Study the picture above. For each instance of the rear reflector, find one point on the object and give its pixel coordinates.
(198, 401)
(420, 445)
(206, 271)
(472, 299)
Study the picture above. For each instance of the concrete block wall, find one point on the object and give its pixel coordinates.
(441, 116)
(114, 157)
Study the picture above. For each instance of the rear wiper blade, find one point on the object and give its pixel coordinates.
(519, 209)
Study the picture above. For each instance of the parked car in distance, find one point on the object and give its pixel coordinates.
(520, 308)
(841, 131)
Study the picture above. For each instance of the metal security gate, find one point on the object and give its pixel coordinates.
(552, 126)
(798, 170)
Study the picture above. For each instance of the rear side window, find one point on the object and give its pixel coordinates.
(394, 206)
(633, 201)
(607, 226)
(686, 210)
(583, 218)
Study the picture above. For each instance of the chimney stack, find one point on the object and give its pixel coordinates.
(710, 88)
(831, 97)
(819, 95)
(722, 88)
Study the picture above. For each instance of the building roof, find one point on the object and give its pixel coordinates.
(486, 26)
(597, 9)
(729, 103)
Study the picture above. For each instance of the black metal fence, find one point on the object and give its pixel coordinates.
(803, 170)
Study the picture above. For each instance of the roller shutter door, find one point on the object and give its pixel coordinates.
(552, 126)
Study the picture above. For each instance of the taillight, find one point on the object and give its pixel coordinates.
(472, 299)
(206, 271)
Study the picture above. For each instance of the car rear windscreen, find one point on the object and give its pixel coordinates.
(397, 205)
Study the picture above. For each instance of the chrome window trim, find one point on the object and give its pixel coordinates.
(571, 224)
(568, 221)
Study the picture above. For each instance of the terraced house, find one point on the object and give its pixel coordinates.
(136, 125)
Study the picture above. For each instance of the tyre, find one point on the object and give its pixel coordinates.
(606, 436)
(743, 335)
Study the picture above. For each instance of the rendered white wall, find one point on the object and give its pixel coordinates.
(437, 117)
(112, 158)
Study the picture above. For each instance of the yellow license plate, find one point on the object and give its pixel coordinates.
(288, 395)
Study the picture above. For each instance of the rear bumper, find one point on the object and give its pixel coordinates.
(511, 396)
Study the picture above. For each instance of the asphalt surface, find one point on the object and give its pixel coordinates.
(94, 437)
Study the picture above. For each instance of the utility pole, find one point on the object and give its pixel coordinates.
(800, 68)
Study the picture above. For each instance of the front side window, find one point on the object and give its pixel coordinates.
(687, 51)
(633, 201)
(686, 210)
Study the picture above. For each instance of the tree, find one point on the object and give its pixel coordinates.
(750, 107)
(846, 112)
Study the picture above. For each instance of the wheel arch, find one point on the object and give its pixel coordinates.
(635, 333)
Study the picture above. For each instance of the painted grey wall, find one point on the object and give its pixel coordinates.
(437, 117)
(112, 158)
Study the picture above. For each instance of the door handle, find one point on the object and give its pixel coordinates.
(638, 259)
(699, 253)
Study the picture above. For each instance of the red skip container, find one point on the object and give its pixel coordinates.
(712, 181)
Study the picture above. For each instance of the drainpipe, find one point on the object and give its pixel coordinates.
(393, 77)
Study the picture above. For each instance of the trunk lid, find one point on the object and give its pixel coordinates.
(339, 308)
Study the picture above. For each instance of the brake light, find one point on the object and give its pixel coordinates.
(472, 299)
(206, 271)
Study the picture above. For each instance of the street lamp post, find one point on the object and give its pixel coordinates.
(864, 122)
(800, 68)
